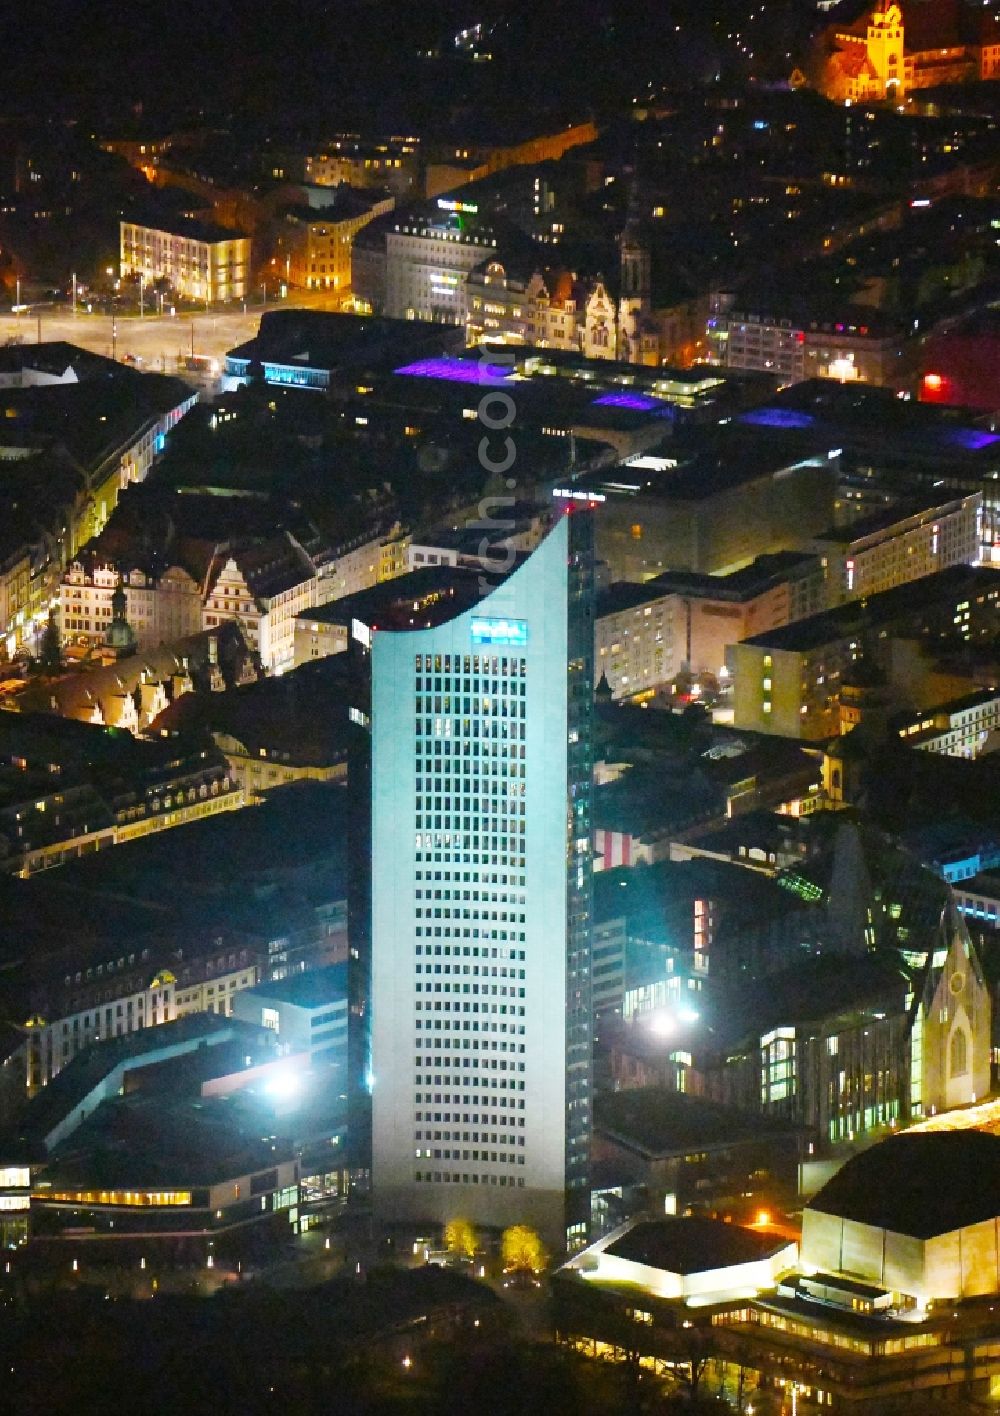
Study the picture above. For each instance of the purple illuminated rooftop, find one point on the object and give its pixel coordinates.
(456, 370)
(636, 402)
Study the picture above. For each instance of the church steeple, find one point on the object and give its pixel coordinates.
(635, 282)
(633, 253)
(121, 636)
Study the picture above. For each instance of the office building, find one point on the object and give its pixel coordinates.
(712, 504)
(961, 727)
(307, 1012)
(788, 681)
(796, 343)
(683, 622)
(900, 544)
(481, 869)
(198, 261)
(893, 449)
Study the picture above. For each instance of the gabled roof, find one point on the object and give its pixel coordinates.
(76, 695)
(955, 939)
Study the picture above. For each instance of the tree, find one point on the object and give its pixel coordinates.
(695, 1348)
(50, 649)
(460, 1238)
(521, 1248)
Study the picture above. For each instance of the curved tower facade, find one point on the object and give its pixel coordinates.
(481, 903)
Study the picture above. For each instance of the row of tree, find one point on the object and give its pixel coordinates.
(521, 1250)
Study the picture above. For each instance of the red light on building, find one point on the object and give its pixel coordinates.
(933, 383)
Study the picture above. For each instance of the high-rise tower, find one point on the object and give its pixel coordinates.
(481, 902)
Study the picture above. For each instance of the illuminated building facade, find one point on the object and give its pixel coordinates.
(648, 634)
(307, 1012)
(160, 608)
(892, 49)
(899, 545)
(139, 998)
(314, 246)
(427, 258)
(788, 681)
(198, 261)
(481, 903)
(263, 588)
(858, 348)
(552, 309)
(395, 165)
(884, 1046)
(218, 1191)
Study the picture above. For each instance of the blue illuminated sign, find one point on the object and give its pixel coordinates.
(500, 631)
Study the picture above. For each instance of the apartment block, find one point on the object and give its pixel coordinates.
(197, 260)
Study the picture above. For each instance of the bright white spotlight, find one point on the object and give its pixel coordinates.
(283, 1084)
(663, 1024)
(688, 1015)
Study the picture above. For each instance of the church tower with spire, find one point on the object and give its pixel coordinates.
(635, 344)
(120, 636)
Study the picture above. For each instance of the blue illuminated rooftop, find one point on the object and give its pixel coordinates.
(778, 418)
(970, 439)
(456, 370)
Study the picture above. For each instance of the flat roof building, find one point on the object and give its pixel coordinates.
(307, 1012)
(307, 348)
(900, 544)
(788, 681)
(681, 621)
(692, 1260)
(197, 260)
(709, 502)
(916, 1215)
